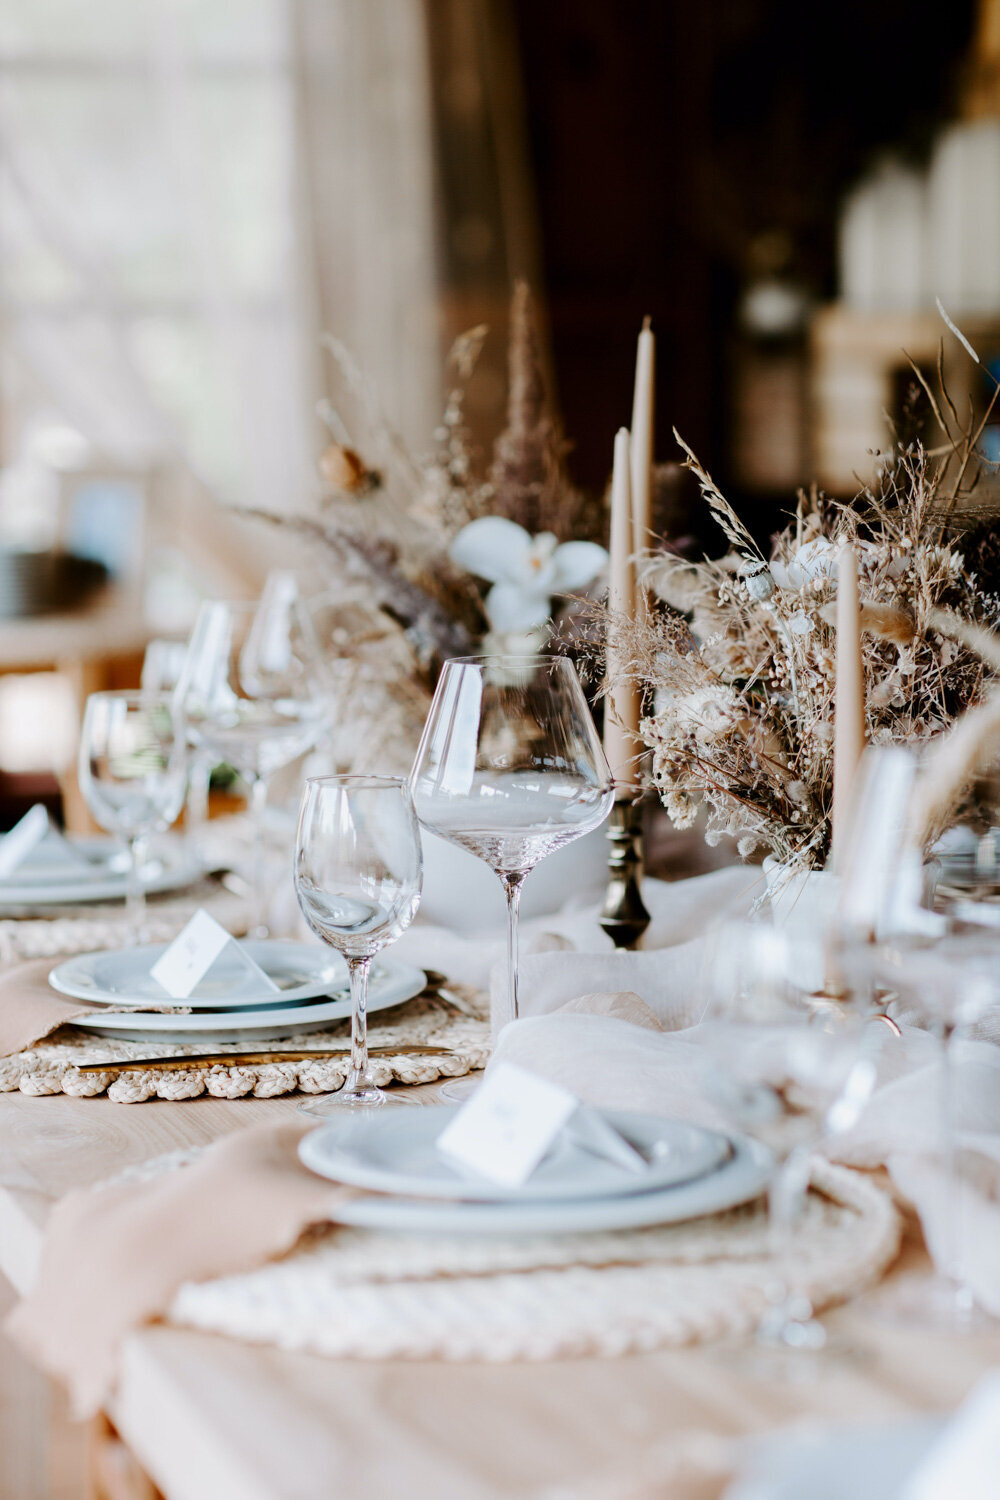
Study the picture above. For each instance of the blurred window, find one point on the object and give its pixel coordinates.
(148, 245)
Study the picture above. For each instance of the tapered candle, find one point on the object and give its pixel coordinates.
(849, 703)
(643, 415)
(621, 711)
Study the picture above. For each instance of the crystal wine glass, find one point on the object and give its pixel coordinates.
(255, 696)
(944, 987)
(776, 1028)
(133, 776)
(358, 870)
(163, 670)
(510, 767)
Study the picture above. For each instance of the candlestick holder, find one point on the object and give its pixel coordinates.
(624, 916)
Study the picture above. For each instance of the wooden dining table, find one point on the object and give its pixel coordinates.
(202, 1417)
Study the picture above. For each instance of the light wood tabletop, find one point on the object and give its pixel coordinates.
(210, 1417)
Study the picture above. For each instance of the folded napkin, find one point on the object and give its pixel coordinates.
(115, 1255)
(31, 1009)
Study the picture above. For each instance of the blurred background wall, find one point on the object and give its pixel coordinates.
(193, 191)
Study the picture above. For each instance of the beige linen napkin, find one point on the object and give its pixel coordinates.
(115, 1255)
(31, 1009)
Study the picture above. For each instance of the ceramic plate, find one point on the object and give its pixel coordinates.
(301, 971)
(390, 985)
(43, 883)
(382, 1151)
(742, 1177)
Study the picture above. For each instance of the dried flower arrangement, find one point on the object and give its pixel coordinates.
(739, 668)
(404, 589)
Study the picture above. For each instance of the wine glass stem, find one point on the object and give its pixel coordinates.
(953, 1233)
(199, 779)
(135, 893)
(257, 927)
(358, 1076)
(512, 884)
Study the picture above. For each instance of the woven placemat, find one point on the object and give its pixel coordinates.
(102, 924)
(52, 1066)
(356, 1293)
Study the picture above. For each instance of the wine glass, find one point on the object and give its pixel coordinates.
(777, 1028)
(510, 767)
(255, 695)
(944, 987)
(163, 670)
(358, 870)
(133, 776)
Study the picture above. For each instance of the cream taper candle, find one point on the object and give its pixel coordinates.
(621, 707)
(849, 703)
(642, 437)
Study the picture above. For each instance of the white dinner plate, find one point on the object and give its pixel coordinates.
(301, 971)
(390, 984)
(742, 1177)
(42, 882)
(389, 1153)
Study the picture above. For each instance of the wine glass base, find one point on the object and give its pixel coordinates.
(928, 1303)
(461, 1089)
(346, 1102)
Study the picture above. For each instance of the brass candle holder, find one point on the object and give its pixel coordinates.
(624, 916)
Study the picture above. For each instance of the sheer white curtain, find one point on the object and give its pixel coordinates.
(192, 190)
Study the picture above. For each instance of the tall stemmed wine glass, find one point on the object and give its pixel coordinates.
(769, 1018)
(358, 869)
(133, 776)
(945, 987)
(255, 695)
(510, 767)
(163, 670)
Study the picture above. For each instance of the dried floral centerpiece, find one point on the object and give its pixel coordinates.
(739, 668)
(430, 557)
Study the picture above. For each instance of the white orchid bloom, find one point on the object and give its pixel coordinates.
(816, 559)
(525, 571)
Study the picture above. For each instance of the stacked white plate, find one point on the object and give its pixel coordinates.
(47, 877)
(228, 1006)
(689, 1172)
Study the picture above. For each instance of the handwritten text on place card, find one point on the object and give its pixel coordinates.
(508, 1125)
(195, 951)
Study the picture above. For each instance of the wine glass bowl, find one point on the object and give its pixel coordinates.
(511, 768)
(358, 872)
(255, 696)
(133, 775)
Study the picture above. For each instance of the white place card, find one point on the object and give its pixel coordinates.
(508, 1125)
(25, 836)
(195, 951)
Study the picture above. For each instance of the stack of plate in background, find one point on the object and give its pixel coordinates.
(72, 871)
(229, 1005)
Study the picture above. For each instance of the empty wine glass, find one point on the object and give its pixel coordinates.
(358, 871)
(255, 695)
(133, 776)
(944, 987)
(164, 666)
(777, 1029)
(510, 767)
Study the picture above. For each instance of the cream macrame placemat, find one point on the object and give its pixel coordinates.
(52, 1066)
(348, 1292)
(91, 925)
